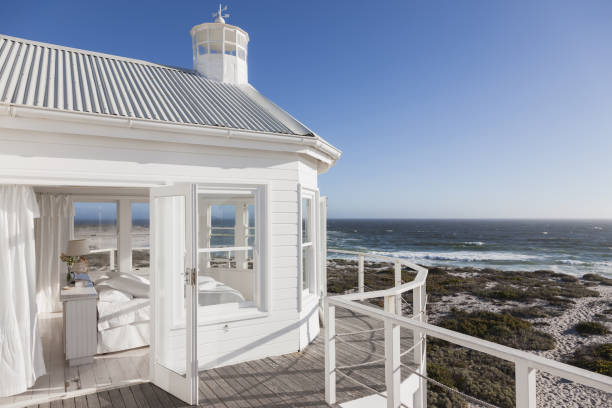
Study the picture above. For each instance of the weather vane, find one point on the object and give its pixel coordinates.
(219, 14)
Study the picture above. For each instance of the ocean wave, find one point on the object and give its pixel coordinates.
(461, 256)
(595, 264)
(473, 243)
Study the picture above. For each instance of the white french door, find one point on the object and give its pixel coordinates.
(173, 353)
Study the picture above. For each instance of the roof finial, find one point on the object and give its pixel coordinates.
(219, 14)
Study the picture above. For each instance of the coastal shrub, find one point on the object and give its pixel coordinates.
(591, 328)
(473, 373)
(528, 312)
(594, 357)
(501, 328)
(503, 292)
(593, 277)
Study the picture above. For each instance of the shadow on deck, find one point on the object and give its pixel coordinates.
(292, 380)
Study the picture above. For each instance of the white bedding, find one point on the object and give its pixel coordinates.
(212, 292)
(123, 312)
(123, 338)
(118, 314)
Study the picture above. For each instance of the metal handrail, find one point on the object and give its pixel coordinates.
(404, 262)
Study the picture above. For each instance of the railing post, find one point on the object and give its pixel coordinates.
(393, 377)
(330, 352)
(525, 384)
(398, 282)
(111, 259)
(360, 273)
(420, 396)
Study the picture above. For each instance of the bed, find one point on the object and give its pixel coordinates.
(123, 312)
(124, 308)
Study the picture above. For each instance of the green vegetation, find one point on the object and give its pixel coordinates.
(555, 290)
(532, 312)
(477, 374)
(595, 357)
(591, 328)
(500, 328)
(593, 277)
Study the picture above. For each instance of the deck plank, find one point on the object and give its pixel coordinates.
(116, 398)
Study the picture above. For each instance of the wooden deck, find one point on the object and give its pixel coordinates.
(107, 371)
(293, 380)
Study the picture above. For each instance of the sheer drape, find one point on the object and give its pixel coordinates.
(53, 230)
(21, 358)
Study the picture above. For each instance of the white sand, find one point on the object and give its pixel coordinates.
(552, 392)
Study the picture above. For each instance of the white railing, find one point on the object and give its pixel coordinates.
(111, 254)
(526, 364)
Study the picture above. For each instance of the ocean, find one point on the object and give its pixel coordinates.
(576, 247)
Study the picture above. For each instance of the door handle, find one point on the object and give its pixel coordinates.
(190, 276)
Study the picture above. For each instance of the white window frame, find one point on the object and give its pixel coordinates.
(261, 249)
(124, 227)
(311, 291)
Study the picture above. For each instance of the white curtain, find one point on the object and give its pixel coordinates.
(21, 358)
(53, 230)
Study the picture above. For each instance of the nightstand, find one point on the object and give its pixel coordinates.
(80, 324)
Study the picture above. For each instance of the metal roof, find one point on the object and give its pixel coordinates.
(50, 76)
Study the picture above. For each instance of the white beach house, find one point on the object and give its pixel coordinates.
(235, 212)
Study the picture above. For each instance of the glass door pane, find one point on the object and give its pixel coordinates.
(170, 264)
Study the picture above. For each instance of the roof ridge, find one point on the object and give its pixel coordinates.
(96, 53)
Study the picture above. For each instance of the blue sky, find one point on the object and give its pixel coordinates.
(441, 108)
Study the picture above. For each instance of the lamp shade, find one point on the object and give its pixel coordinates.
(77, 247)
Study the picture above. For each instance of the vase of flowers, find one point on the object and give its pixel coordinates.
(69, 261)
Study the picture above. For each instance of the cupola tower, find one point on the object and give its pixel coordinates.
(220, 50)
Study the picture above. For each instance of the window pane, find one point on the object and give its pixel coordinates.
(226, 276)
(223, 222)
(305, 268)
(97, 222)
(306, 220)
(251, 208)
(140, 238)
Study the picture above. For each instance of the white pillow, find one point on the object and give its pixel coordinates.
(131, 286)
(138, 278)
(113, 295)
(206, 282)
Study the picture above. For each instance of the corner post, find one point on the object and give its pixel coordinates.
(330, 351)
(360, 273)
(398, 282)
(419, 358)
(393, 369)
(525, 385)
